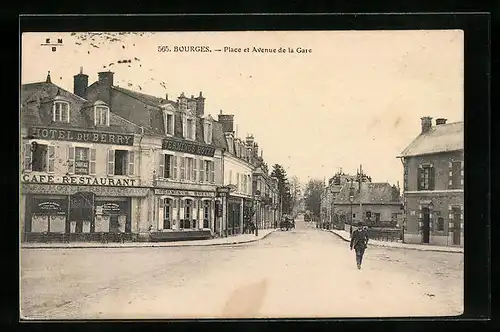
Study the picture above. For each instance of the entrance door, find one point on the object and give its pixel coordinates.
(456, 225)
(425, 225)
(82, 212)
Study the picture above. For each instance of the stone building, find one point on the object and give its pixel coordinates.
(434, 184)
(82, 167)
(184, 163)
(330, 193)
(374, 204)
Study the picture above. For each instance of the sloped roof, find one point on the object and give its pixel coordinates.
(371, 193)
(36, 101)
(440, 138)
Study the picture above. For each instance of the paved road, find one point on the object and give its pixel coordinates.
(305, 272)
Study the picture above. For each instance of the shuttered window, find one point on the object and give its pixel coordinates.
(27, 157)
(111, 162)
(92, 161)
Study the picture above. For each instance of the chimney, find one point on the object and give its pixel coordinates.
(440, 121)
(249, 140)
(426, 122)
(48, 80)
(106, 78)
(226, 120)
(80, 83)
(200, 108)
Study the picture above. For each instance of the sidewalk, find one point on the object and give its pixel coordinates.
(239, 239)
(344, 235)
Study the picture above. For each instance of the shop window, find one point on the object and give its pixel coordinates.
(61, 111)
(377, 217)
(440, 224)
(426, 177)
(206, 214)
(188, 213)
(121, 162)
(167, 215)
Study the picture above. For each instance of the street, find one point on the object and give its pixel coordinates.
(305, 272)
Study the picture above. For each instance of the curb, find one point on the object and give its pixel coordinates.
(407, 248)
(149, 245)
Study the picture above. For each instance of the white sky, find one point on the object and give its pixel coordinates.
(356, 99)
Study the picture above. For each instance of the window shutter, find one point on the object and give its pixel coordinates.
(431, 178)
(27, 157)
(162, 203)
(420, 178)
(92, 161)
(131, 163)
(212, 173)
(184, 126)
(161, 169)
(71, 160)
(193, 129)
(183, 163)
(195, 170)
(111, 162)
(174, 162)
(50, 158)
(202, 170)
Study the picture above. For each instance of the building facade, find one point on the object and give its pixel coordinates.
(373, 204)
(434, 184)
(81, 167)
(330, 193)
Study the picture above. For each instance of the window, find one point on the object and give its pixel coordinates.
(81, 160)
(189, 127)
(121, 162)
(368, 215)
(201, 167)
(188, 213)
(206, 214)
(167, 214)
(101, 115)
(377, 217)
(426, 178)
(61, 111)
(190, 169)
(208, 133)
(440, 224)
(39, 158)
(455, 175)
(209, 171)
(168, 167)
(169, 123)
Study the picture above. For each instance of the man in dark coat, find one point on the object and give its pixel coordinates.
(359, 241)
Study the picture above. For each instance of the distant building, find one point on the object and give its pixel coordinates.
(434, 184)
(374, 204)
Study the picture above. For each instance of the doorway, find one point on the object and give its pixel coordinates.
(425, 225)
(456, 212)
(82, 212)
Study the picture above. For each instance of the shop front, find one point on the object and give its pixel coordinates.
(235, 215)
(184, 214)
(62, 212)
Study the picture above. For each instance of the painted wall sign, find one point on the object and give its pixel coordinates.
(184, 193)
(188, 147)
(81, 136)
(77, 180)
(49, 206)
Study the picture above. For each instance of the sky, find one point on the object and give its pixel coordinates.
(356, 98)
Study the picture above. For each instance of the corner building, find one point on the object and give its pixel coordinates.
(80, 168)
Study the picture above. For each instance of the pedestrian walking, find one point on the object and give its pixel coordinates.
(359, 241)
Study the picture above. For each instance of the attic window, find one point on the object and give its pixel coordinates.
(60, 111)
(101, 114)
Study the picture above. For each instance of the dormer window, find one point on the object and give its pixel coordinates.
(189, 127)
(208, 132)
(168, 118)
(60, 111)
(101, 114)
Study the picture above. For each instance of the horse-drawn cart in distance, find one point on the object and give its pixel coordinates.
(287, 223)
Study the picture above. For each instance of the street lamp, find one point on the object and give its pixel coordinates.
(351, 199)
(256, 201)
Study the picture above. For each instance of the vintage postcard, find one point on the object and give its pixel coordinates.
(270, 174)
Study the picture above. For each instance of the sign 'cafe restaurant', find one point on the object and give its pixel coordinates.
(56, 205)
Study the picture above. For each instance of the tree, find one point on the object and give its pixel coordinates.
(295, 192)
(312, 196)
(285, 197)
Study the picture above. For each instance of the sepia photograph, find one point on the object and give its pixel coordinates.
(241, 174)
